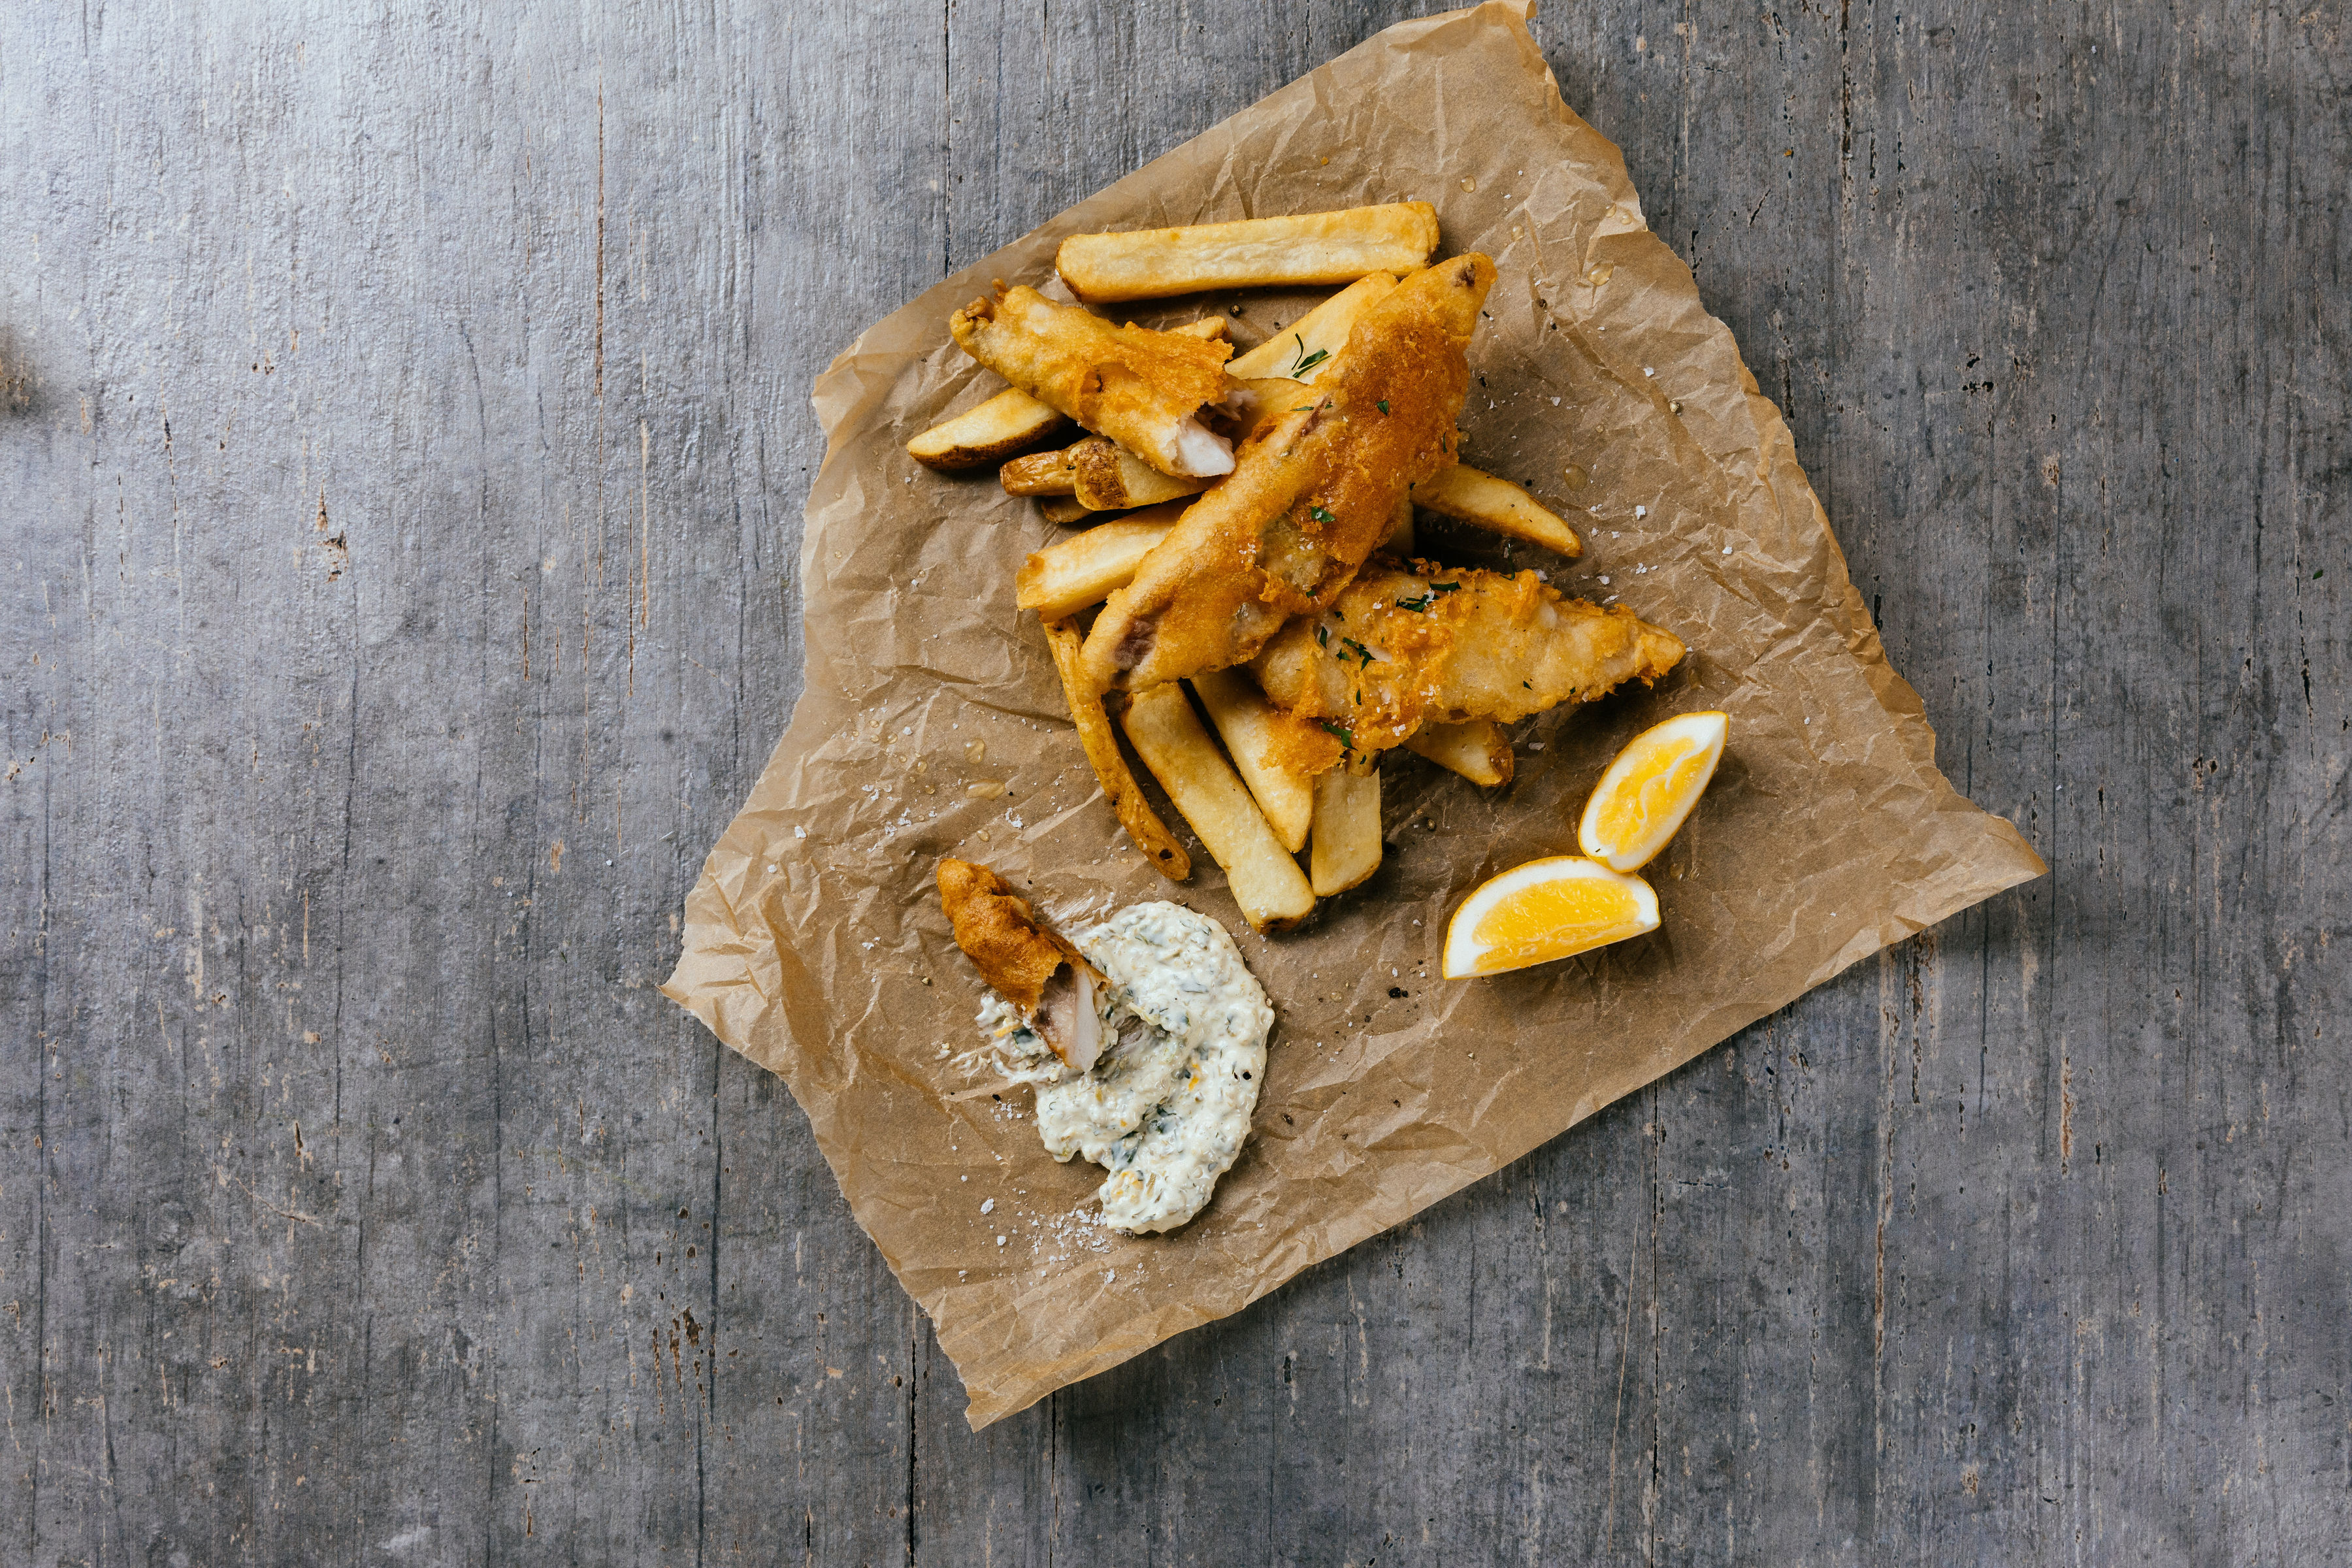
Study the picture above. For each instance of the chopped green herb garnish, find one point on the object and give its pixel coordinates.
(1383, 406)
(1322, 637)
(1320, 515)
(1362, 653)
(1305, 361)
(1421, 604)
(1346, 737)
(1529, 684)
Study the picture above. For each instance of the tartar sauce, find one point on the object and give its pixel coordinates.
(1168, 1106)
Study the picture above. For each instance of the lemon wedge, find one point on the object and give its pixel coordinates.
(1650, 789)
(1545, 909)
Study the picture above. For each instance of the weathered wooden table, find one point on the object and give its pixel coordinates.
(403, 442)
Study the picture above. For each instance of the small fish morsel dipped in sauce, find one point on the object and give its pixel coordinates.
(1166, 1106)
(1037, 969)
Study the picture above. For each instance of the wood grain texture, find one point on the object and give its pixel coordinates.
(404, 439)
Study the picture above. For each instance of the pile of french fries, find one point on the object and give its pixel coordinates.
(1254, 815)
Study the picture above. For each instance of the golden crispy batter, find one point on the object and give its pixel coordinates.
(1030, 966)
(1405, 646)
(996, 931)
(1139, 387)
(1312, 494)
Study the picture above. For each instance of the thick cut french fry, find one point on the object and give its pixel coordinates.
(1087, 568)
(1346, 847)
(1301, 351)
(1478, 751)
(1063, 509)
(1009, 422)
(1135, 814)
(1143, 389)
(1109, 478)
(1103, 475)
(1252, 403)
(1266, 882)
(1245, 721)
(1039, 474)
(1473, 496)
(1304, 250)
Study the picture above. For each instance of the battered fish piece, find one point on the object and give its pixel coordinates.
(1143, 389)
(1313, 492)
(1424, 644)
(1046, 978)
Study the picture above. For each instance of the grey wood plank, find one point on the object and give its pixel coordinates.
(487, 537)
(406, 427)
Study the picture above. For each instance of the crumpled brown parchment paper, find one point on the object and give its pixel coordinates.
(814, 944)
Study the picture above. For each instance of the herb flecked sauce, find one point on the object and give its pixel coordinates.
(1168, 1107)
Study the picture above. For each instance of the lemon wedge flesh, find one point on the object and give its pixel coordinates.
(1545, 909)
(1650, 789)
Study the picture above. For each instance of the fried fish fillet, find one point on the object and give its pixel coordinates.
(1312, 494)
(1410, 645)
(1143, 389)
(1037, 969)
